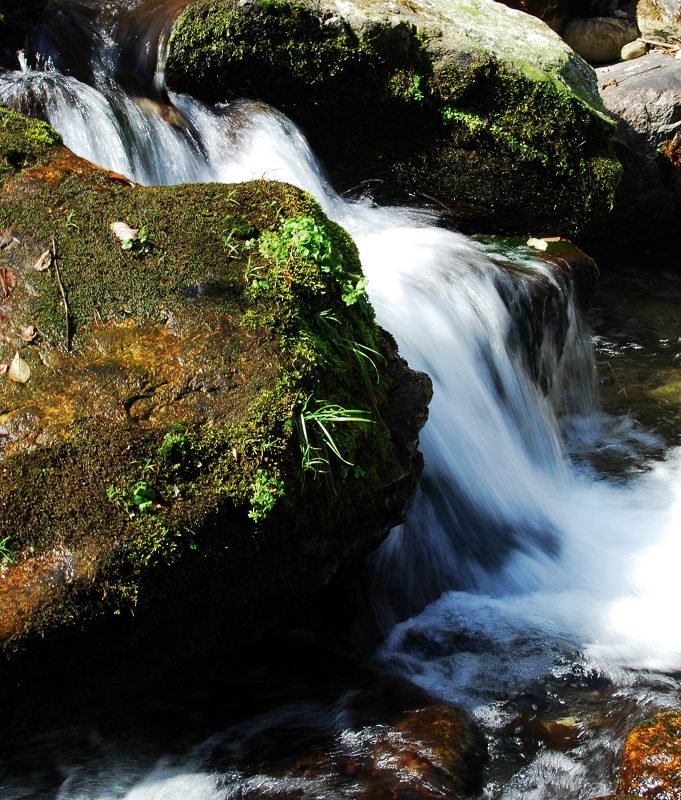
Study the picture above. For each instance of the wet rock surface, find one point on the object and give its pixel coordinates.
(651, 764)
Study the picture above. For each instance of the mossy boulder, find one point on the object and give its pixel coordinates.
(176, 362)
(468, 104)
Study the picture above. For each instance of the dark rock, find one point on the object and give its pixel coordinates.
(15, 21)
(555, 13)
(645, 97)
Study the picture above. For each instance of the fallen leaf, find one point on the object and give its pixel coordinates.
(8, 280)
(123, 231)
(43, 261)
(538, 244)
(19, 371)
(28, 333)
(3, 368)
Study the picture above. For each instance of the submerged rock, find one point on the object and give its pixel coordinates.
(173, 465)
(478, 108)
(651, 763)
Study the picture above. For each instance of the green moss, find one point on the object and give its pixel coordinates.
(513, 149)
(24, 141)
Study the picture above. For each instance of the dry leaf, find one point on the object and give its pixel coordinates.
(123, 231)
(28, 333)
(44, 261)
(3, 368)
(19, 371)
(538, 244)
(8, 280)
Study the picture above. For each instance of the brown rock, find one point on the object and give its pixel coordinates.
(651, 764)
(434, 752)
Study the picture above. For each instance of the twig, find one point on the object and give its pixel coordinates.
(63, 295)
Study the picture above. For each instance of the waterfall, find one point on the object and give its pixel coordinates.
(517, 563)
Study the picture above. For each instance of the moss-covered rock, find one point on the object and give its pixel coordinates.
(480, 108)
(174, 359)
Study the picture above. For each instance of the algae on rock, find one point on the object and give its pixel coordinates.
(470, 104)
(151, 463)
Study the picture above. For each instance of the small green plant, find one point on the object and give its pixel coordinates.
(365, 356)
(174, 448)
(415, 91)
(266, 489)
(5, 556)
(139, 243)
(316, 423)
(231, 247)
(256, 276)
(304, 239)
(141, 498)
(69, 220)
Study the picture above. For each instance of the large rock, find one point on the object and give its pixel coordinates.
(599, 39)
(651, 763)
(645, 97)
(164, 478)
(478, 108)
(660, 18)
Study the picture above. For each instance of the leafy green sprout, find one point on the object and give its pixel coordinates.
(138, 244)
(266, 489)
(302, 237)
(5, 556)
(141, 498)
(415, 91)
(317, 423)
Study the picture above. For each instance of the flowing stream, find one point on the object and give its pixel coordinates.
(533, 582)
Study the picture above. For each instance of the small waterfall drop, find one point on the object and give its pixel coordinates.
(514, 566)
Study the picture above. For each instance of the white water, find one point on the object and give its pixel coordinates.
(517, 569)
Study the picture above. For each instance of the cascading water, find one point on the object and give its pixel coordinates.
(519, 580)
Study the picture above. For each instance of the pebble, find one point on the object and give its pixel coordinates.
(633, 50)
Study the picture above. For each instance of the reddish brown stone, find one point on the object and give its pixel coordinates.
(651, 764)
